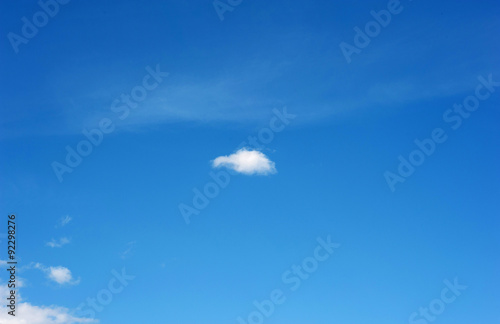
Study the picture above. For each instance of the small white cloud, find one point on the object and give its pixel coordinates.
(247, 162)
(64, 220)
(56, 244)
(61, 275)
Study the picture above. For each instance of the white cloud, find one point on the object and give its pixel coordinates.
(54, 243)
(247, 162)
(61, 275)
(64, 220)
(27, 313)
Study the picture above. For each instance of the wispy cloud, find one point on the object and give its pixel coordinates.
(130, 247)
(57, 244)
(64, 221)
(247, 162)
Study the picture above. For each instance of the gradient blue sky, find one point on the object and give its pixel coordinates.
(225, 77)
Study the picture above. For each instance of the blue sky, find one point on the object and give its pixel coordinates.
(410, 220)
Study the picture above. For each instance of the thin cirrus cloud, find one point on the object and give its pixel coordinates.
(245, 161)
(58, 243)
(130, 247)
(63, 221)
